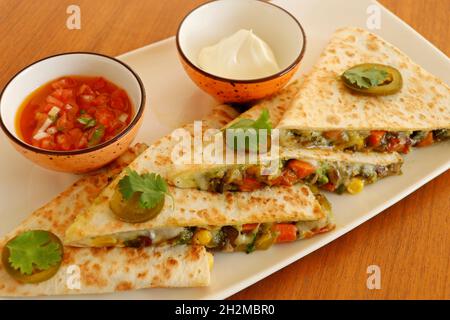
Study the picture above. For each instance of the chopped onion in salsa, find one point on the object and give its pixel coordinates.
(73, 113)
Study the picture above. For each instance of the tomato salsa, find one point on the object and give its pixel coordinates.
(73, 113)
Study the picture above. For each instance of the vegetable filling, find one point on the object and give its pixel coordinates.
(330, 176)
(246, 237)
(376, 140)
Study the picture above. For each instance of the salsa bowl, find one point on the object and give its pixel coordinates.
(34, 76)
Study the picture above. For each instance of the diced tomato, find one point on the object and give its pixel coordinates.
(63, 141)
(301, 168)
(249, 184)
(116, 127)
(63, 124)
(374, 140)
(75, 97)
(75, 134)
(47, 143)
(334, 135)
(72, 110)
(100, 100)
(249, 227)
(47, 108)
(99, 84)
(64, 83)
(287, 178)
(286, 232)
(85, 90)
(394, 145)
(83, 142)
(328, 186)
(85, 100)
(52, 101)
(427, 141)
(119, 100)
(63, 95)
(104, 116)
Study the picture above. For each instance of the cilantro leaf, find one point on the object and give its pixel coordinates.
(87, 122)
(33, 249)
(97, 136)
(263, 122)
(366, 78)
(243, 128)
(152, 188)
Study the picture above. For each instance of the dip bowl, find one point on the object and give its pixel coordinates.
(209, 23)
(71, 64)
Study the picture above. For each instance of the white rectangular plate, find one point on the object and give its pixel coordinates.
(173, 100)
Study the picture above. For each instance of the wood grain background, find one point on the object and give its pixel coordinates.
(410, 241)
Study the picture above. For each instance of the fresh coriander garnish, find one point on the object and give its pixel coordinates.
(152, 188)
(263, 122)
(373, 79)
(33, 250)
(366, 78)
(88, 122)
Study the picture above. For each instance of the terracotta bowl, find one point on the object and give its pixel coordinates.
(213, 21)
(77, 63)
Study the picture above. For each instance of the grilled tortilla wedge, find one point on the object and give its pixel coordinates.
(103, 270)
(227, 222)
(331, 170)
(326, 113)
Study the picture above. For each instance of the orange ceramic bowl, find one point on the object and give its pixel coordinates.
(67, 64)
(213, 21)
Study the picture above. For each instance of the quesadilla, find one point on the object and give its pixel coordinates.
(99, 270)
(372, 117)
(331, 170)
(227, 222)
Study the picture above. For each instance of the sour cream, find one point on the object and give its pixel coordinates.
(241, 56)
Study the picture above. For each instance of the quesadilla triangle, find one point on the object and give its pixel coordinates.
(226, 222)
(331, 170)
(395, 104)
(100, 270)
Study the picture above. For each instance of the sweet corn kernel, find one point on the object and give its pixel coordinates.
(202, 237)
(355, 186)
(210, 260)
(104, 241)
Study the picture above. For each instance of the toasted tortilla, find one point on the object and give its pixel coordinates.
(324, 103)
(191, 208)
(196, 175)
(275, 105)
(103, 270)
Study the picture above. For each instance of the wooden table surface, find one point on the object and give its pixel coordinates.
(410, 241)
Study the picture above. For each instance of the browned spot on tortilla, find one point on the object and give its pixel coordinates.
(124, 286)
(349, 53)
(93, 279)
(155, 280)
(305, 191)
(142, 275)
(333, 119)
(350, 39)
(194, 253)
(372, 45)
(317, 210)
